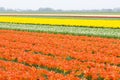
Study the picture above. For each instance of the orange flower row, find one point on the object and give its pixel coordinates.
(16, 71)
(86, 56)
(48, 47)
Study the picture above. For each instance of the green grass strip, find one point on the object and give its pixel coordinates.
(87, 31)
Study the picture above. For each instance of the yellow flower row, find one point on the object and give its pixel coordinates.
(66, 22)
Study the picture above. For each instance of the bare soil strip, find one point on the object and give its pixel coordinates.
(65, 15)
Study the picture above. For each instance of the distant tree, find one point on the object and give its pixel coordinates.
(46, 9)
(2, 9)
(116, 9)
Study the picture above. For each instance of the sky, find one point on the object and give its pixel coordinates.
(60, 4)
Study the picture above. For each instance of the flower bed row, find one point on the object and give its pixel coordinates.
(63, 22)
(16, 71)
(75, 57)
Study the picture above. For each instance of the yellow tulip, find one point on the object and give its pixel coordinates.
(65, 22)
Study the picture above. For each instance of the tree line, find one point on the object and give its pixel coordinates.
(2, 9)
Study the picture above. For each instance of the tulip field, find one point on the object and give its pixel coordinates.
(59, 49)
(63, 22)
